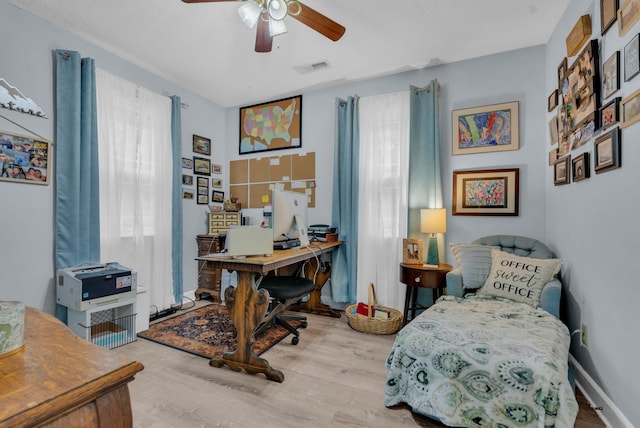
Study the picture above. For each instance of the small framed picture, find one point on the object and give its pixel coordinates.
(628, 15)
(187, 193)
(486, 192)
(217, 196)
(562, 71)
(611, 75)
(201, 145)
(553, 130)
(607, 151)
(610, 113)
(216, 182)
(632, 58)
(412, 252)
(553, 156)
(580, 167)
(216, 168)
(552, 100)
(187, 180)
(608, 14)
(187, 163)
(630, 109)
(561, 171)
(201, 166)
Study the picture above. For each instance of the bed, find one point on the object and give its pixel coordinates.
(493, 358)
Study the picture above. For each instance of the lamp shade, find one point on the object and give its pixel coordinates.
(250, 13)
(433, 220)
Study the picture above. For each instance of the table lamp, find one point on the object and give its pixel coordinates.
(433, 220)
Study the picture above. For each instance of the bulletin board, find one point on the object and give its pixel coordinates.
(252, 180)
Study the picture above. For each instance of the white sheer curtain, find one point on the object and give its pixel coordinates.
(382, 218)
(134, 144)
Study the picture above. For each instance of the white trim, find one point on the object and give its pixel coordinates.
(600, 402)
(191, 294)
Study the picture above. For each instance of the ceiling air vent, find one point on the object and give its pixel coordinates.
(312, 67)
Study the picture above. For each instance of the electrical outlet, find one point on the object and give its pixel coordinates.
(585, 335)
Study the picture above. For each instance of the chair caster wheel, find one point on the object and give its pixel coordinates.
(303, 324)
(295, 340)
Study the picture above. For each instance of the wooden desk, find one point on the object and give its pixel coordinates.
(247, 305)
(416, 276)
(61, 380)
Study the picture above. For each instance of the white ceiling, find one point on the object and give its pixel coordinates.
(205, 48)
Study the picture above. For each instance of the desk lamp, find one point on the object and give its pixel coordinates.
(433, 220)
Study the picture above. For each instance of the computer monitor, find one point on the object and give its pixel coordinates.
(287, 207)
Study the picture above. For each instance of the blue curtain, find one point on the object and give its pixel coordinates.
(344, 213)
(77, 223)
(425, 182)
(176, 202)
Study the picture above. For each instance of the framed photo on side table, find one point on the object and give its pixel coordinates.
(561, 171)
(487, 192)
(606, 151)
(412, 252)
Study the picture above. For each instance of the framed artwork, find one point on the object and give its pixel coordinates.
(216, 182)
(611, 75)
(553, 156)
(202, 190)
(201, 145)
(562, 71)
(580, 167)
(24, 159)
(187, 163)
(632, 58)
(553, 130)
(608, 14)
(201, 166)
(217, 196)
(271, 126)
(412, 252)
(630, 109)
(628, 15)
(610, 113)
(187, 180)
(488, 192)
(552, 100)
(216, 168)
(492, 128)
(561, 171)
(606, 151)
(187, 193)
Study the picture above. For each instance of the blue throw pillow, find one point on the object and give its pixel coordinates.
(474, 262)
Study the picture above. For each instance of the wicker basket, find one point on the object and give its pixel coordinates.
(374, 325)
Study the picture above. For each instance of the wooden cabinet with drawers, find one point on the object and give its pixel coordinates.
(209, 279)
(221, 221)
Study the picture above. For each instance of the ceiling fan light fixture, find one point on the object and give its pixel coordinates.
(250, 13)
(276, 27)
(277, 9)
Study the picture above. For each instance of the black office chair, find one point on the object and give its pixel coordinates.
(284, 291)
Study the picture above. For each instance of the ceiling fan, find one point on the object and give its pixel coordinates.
(268, 15)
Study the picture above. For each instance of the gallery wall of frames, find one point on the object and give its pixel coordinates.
(585, 107)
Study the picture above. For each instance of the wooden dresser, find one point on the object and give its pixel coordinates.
(209, 279)
(61, 380)
(221, 221)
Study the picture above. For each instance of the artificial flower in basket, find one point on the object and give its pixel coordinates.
(232, 204)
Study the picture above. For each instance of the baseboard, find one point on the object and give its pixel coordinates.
(190, 294)
(600, 402)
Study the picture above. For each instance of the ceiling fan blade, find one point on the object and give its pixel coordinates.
(317, 21)
(263, 38)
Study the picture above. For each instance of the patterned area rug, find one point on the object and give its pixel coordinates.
(208, 332)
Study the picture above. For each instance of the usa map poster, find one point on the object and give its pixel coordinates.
(274, 125)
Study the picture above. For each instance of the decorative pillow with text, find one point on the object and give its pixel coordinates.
(474, 262)
(519, 278)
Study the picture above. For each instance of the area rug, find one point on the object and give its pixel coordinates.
(208, 332)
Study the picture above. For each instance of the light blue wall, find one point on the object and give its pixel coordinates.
(26, 210)
(593, 225)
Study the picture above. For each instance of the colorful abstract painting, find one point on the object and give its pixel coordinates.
(485, 193)
(485, 129)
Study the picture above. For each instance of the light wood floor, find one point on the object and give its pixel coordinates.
(333, 378)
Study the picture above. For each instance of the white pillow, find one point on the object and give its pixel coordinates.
(474, 262)
(519, 278)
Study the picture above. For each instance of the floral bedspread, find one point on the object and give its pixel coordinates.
(483, 362)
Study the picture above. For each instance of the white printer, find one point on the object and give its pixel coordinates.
(84, 287)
